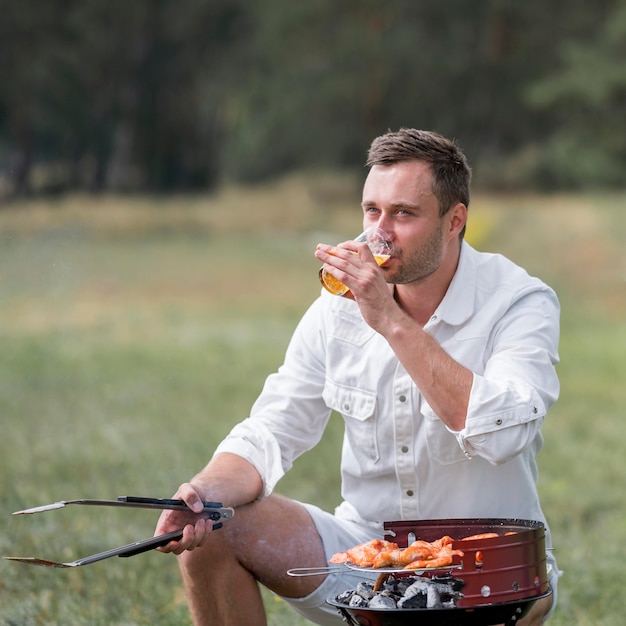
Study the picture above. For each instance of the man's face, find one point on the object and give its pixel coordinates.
(398, 198)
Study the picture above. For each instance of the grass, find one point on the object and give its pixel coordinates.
(134, 333)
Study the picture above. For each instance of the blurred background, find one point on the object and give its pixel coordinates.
(164, 95)
(166, 169)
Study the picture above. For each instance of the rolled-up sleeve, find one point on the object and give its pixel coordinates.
(512, 395)
(290, 415)
(503, 419)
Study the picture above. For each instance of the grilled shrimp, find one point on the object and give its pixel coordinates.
(401, 557)
(441, 558)
(364, 554)
(480, 536)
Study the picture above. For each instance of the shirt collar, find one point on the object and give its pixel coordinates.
(457, 305)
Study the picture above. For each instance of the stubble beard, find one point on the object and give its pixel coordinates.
(422, 263)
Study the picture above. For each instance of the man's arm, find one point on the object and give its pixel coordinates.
(228, 479)
(444, 383)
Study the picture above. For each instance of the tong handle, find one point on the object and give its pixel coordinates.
(165, 502)
(149, 544)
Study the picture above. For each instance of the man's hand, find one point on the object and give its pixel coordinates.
(228, 479)
(354, 265)
(196, 529)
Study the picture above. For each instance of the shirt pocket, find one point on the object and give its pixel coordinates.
(348, 326)
(358, 409)
(443, 446)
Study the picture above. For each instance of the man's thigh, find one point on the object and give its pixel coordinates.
(272, 536)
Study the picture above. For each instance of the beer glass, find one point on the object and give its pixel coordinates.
(378, 242)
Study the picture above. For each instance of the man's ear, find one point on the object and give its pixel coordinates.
(457, 217)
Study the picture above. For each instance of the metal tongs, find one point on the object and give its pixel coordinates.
(213, 511)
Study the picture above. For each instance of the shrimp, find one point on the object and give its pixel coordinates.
(440, 561)
(339, 558)
(401, 557)
(480, 536)
(420, 554)
(364, 554)
(442, 558)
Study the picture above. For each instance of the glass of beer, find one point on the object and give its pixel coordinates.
(378, 242)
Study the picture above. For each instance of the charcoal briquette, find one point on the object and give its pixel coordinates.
(344, 596)
(416, 601)
(365, 590)
(382, 601)
(356, 601)
(433, 599)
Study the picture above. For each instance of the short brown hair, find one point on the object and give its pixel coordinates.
(451, 171)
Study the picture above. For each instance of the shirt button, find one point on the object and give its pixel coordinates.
(402, 398)
(433, 318)
(409, 492)
(404, 449)
(535, 409)
(346, 407)
(498, 422)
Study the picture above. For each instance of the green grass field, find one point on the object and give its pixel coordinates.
(135, 333)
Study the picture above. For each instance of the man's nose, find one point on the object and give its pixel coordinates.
(384, 223)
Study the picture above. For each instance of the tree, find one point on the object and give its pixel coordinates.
(114, 94)
(180, 94)
(587, 98)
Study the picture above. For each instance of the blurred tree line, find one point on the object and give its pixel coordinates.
(159, 95)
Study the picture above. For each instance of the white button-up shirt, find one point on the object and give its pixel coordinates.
(399, 461)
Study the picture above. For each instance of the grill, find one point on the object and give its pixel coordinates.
(502, 576)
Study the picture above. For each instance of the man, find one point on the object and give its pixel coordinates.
(442, 364)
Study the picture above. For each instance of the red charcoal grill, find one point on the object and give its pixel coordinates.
(503, 568)
(503, 576)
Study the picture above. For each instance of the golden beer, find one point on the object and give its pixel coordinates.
(336, 287)
(377, 241)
